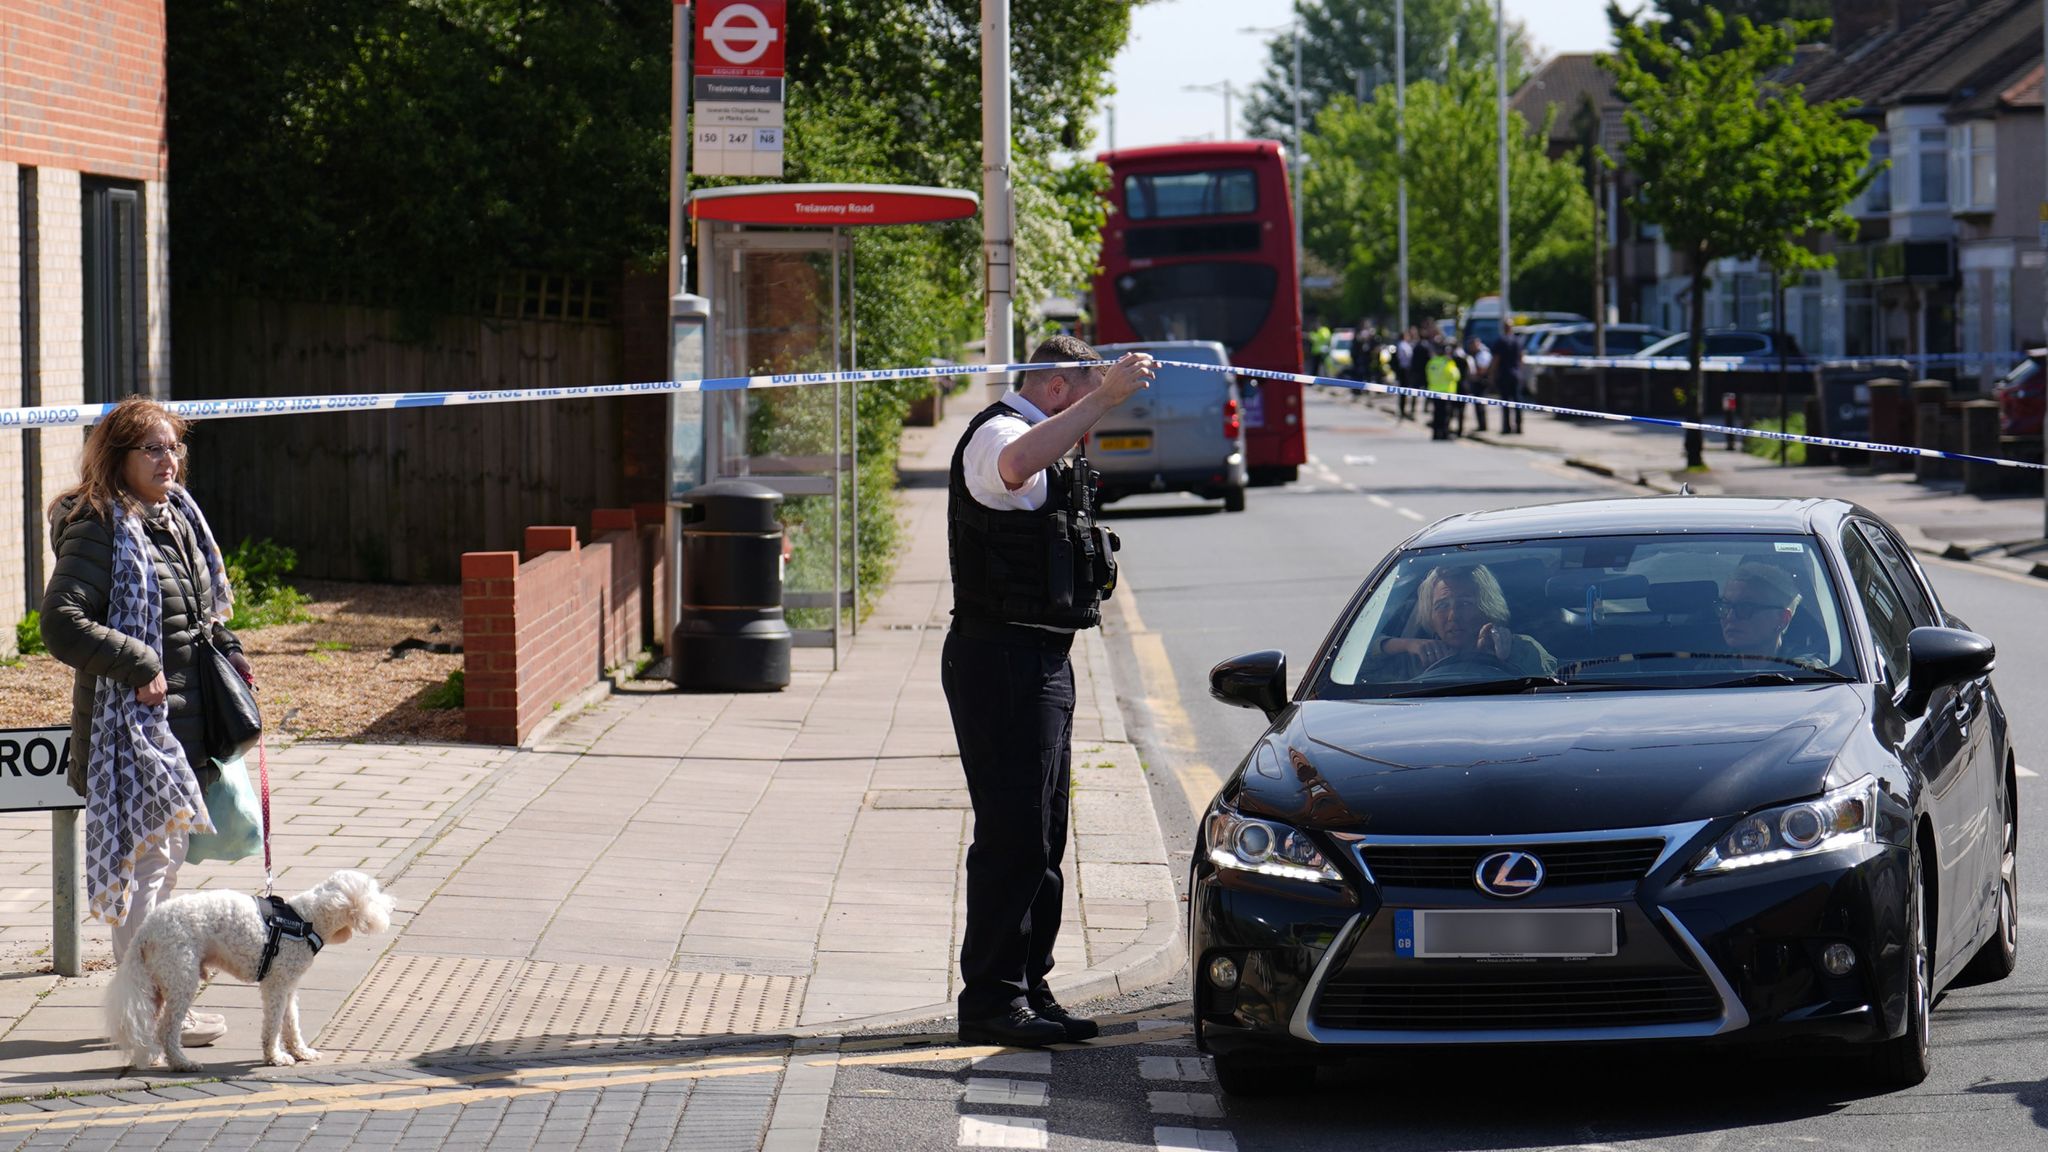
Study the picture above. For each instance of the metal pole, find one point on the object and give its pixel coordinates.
(1500, 68)
(853, 362)
(1401, 146)
(838, 458)
(1300, 154)
(678, 143)
(997, 222)
(1778, 338)
(64, 892)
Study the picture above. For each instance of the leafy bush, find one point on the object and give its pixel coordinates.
(256, 571)
(447, 694)
(1795, 454)
(28, 634)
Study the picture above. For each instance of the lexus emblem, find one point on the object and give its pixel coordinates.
(1508, 874)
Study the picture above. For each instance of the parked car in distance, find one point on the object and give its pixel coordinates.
(1577, 339)
(2020, 396)
(1676, 769)
(1482, 319)
(1183, 434)
(1727, 344)
(1338, 357)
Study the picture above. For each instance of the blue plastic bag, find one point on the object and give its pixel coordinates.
(237, 817)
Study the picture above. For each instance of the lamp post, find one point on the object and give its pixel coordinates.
(1500, 68)
(1228, 90)
(1401, 150)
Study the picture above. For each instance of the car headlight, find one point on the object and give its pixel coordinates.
(1842, 818)
(1248, 844)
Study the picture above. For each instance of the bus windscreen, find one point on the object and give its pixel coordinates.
(1223, 301)
(1177, 195)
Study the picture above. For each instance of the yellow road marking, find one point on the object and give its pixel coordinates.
(401, 1095)
(1198, 781)
(976, 1051)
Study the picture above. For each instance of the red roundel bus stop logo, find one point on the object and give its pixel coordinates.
(736, 95)
(741, 38)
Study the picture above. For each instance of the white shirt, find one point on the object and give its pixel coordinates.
(980, 462)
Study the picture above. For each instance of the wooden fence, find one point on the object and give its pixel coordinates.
(400, 495)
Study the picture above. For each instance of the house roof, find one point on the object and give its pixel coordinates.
(2024, 92)
(1564, 81)
(1954, 49)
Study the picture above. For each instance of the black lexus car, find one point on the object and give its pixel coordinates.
(1663, 769)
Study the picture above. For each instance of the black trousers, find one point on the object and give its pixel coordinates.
(1013, 715)
(1440, 418)
(1511, 418)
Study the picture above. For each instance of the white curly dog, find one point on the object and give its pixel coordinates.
(189, 938)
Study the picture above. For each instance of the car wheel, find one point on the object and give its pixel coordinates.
(2000, 954)
(1903, 1061)
(1233, 500)
(1247, 1074)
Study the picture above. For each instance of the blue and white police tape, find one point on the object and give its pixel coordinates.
(59, 416)
(1770, 363)
(1616, 417)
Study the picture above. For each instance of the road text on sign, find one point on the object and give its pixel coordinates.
(32, 764)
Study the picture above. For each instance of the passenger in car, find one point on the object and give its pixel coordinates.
(1460, 612)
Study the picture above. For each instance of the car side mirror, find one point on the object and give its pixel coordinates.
(1254, 680)
(1938, 657)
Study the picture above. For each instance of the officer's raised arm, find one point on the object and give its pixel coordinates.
(1073, 399)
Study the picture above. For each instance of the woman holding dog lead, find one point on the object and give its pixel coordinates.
(138, 578)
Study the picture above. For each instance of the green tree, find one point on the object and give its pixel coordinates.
(1684, 21)
(1454, 249)
(1346, 41)
(1734, 163)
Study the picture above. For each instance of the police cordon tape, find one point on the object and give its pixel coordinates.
(1770, 363)
(78, 415)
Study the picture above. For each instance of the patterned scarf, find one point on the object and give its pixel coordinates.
(141, 790)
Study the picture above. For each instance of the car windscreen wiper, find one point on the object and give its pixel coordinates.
(1507, 687)
(1759, 679)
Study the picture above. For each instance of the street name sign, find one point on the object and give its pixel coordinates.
(32, 770)
(736, 92)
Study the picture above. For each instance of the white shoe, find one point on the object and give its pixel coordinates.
(202, 1028)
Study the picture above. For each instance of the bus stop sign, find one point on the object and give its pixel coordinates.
(32, 764)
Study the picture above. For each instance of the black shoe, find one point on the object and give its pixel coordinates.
(1078, 1028)
(1018, 1027)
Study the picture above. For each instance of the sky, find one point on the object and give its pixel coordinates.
(1180, 42)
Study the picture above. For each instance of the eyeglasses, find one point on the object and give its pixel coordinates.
(1745, 609)
(159, 451)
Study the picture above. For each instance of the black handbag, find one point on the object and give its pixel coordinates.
(227, 705)
(230, 722)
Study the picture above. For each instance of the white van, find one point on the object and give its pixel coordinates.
(1183, 434)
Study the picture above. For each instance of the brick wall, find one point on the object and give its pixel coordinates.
(539, 628)
(60, 271)
(82, 85)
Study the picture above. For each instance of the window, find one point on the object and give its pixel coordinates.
(115, 295)
(1919, 602)
(1890, 622)
(1171, 195)
(1933, 166)
(28, 204)
(1974, 174)
(1878, 196)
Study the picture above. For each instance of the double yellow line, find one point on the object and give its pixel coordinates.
(1198, 780)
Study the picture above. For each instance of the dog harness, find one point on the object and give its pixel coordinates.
(280, 921)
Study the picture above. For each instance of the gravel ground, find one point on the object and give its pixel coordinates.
(334, 678)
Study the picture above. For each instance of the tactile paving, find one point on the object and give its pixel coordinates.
(413, 1005)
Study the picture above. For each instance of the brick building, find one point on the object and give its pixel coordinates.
(84, 241)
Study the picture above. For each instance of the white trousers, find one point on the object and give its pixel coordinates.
(156, 874)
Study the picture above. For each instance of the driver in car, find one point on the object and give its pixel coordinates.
(1756, 606)
(1461, 617)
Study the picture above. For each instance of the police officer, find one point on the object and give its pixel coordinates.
(1030, 567)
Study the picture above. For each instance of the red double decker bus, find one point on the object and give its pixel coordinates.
(1200, 246)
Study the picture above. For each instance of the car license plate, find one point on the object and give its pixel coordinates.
(1123, 443)
(1505, 933)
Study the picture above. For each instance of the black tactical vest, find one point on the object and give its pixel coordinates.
(1050, 567)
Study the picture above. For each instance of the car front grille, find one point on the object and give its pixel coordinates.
(1452, 865)
(1385, 1002)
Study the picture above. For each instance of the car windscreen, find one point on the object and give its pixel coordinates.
(1648, 611)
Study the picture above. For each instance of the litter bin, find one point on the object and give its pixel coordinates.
(730, 635)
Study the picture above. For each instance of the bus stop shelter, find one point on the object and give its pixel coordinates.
(775, 262)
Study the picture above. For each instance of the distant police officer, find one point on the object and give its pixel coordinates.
(1030, 567)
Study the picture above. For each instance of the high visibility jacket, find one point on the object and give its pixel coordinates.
(1443, 374)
